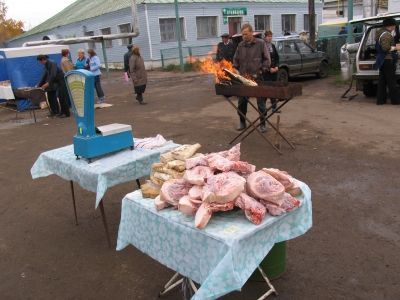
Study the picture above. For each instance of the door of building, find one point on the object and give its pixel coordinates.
(234, 24)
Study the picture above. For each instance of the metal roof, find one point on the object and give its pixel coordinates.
(85, 9)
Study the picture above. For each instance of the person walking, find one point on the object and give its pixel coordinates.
(386, 60)
(138, 74)
(225, 49)
(66, 63)
(251, 59)
(272, 73)
(127, 56)
(52, 81)
(94, 66)
(82, 62)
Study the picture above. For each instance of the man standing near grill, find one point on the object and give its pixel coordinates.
(272, 73)
(225, 49)
(251, 59)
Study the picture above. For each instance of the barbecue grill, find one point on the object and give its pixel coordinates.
(282, 92)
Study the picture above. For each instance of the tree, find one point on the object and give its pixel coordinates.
(8, 27)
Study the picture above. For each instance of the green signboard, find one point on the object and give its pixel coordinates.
(234, 11)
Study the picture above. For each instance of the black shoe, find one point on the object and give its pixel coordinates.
(242, 126)
(51, 115)
(61, 116)
(263, 128)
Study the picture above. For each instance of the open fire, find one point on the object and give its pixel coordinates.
(224, 71)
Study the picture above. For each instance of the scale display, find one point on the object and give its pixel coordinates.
(89, 141)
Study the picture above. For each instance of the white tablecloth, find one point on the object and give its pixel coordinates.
(220, 257)
(98, 176)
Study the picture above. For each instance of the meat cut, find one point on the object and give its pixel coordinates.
(253, 210)
(174, 189)
(263, 186)
(198, 175)
(223, 187)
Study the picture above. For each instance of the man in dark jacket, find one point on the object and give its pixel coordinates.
(225, 49)
(251, 59)
(386, 60)
(127, 56)
(272, 73)
(52, 81)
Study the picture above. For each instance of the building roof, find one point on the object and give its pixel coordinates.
(85, 9)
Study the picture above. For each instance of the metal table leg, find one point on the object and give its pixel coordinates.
(73, 201)
(103, 216)
(271, 290)
(138, 183)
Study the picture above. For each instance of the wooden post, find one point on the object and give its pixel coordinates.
(311, 21)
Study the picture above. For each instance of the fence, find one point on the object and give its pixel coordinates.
(331, 46)
(171, 55)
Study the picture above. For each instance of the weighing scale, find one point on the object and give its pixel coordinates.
(91, 141)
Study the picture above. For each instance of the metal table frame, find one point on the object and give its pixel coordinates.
(189, 288)
(101, 206)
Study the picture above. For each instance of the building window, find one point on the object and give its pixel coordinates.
(262, 23)
(306, 22)
(91, 45)
(106, 31)
(206, 27)
(125, 28)
(289, 23)
(168, 29)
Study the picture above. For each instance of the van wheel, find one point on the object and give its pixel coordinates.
(369, 89)
(282, 76)
(323, 70)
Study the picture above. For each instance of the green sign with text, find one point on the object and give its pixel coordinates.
(234, 11)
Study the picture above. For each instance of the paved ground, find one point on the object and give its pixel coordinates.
(346, 151)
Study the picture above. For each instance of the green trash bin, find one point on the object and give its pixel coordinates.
(273, 264)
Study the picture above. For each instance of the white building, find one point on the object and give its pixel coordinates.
(202, 22)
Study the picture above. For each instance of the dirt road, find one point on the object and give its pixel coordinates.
(347, 152)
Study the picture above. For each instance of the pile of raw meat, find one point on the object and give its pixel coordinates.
(220, 181)
(171, 166)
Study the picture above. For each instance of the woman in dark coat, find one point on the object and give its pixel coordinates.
(138, 74)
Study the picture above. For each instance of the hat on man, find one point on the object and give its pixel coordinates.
(129, 46)
(389, 22)
(225, 35)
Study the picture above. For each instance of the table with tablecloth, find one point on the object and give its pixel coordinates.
(102, 173)
(220, 257)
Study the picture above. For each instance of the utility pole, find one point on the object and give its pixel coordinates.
(178, 33)
(311, 22)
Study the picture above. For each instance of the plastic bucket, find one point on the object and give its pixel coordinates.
(273, 264)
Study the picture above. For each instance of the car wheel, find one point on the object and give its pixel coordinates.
(323, 70)
(369, 89)
(283, 76)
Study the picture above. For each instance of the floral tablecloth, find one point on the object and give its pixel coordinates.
(220, 257)
(98, 176)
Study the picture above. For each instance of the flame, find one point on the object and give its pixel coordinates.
(217, 68)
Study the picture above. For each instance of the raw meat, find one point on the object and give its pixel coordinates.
(253, 210)
(177, 165)
(218, 162)
(198, 175)
(196, 202)
(195, 192)
(151, 142)
(185, 151)
(282, 176)
(203, 215)
(159, 203)
(174, 189)
(261, 185)
(231, 154)
(186, 207)
(295, 190)
(200, 160)
(222, 206)
(223, 187)
(166, 157)
(150, 189)
(289, 204)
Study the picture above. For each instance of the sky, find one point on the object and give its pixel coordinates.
(34, 12)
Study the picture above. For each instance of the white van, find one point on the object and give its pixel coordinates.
(366, 75)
